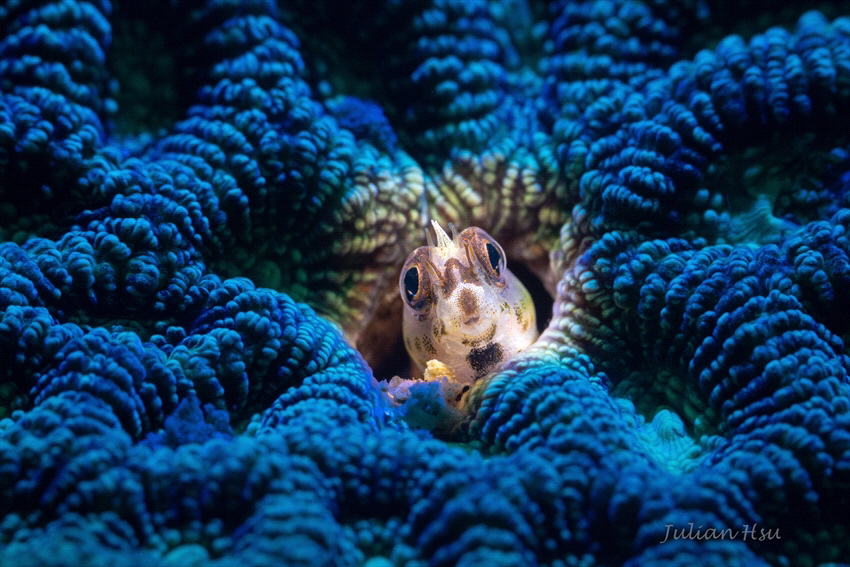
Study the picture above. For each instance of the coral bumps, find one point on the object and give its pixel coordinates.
(194, 313)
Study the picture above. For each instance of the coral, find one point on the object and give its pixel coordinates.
(199, 304)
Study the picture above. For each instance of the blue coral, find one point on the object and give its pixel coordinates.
(194, 319)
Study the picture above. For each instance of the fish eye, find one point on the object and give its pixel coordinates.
(495, 258)
(414, 282)
(489, 256)
(411, 283)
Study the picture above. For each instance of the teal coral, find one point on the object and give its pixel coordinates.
(190, 318)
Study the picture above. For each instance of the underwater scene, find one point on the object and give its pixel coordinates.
(424, 283)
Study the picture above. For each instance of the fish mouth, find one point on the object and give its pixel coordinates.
(472, 320)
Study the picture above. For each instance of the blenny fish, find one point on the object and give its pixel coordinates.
(465, 313)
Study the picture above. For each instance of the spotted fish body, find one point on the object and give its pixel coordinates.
(463, 307)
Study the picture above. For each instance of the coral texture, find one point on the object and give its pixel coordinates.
(204, 208)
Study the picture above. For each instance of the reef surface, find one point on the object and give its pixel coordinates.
(204, 208)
